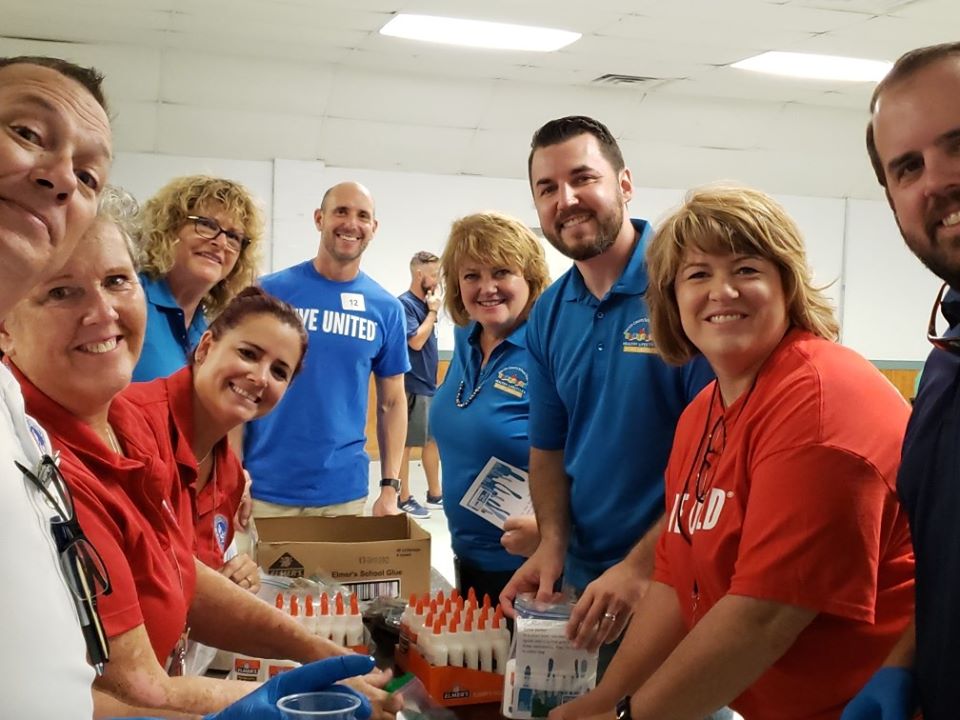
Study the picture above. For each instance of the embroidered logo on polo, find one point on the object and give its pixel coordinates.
(39, 435)
(637, 338)
(512, 380)
(220, 527)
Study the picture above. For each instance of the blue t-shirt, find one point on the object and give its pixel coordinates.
(493, 424)
(929, 488)
(310, 450)
(600, 392)
(168, 341)
(422, 378)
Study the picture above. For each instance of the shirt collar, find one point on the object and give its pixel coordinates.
(518, 337)
(158, 291)
(633, 279)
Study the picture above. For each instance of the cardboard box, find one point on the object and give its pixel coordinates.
(372, 556)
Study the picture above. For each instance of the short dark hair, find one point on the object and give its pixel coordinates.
(89, 77)
(906, 65)
(565, 128)
(424, 257)
(253, 300)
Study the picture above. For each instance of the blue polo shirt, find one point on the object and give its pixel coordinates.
(600, 392)
(422, 378)
(493, 424)
(929, 488)
(309, 451)
(168, 341)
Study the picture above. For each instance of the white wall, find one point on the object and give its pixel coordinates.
(881, 291)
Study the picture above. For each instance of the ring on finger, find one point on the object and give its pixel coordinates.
(612, 617)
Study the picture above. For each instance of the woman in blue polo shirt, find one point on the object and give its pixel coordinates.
(494, 269)
(198, 244)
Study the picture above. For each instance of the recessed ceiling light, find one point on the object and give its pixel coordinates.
(816, 67)
(477, 33)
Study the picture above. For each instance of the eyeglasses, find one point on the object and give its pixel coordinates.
(950, 344)
(716, 441)
(210, 229)
(83, 568)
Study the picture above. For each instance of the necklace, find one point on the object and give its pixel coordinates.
(459, 399)
(113, 441)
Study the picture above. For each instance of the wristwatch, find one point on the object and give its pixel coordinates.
(390, 482)
(623, 708)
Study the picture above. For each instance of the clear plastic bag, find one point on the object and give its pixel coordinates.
(544, 669)
(417, 703)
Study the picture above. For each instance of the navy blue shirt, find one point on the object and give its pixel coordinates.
(493, 424)
(422, 378)
(600, 392)
(168, 341)
(929, 488)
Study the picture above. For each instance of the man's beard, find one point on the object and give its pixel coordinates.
(427, 289)
(941, 258)
(608, 228)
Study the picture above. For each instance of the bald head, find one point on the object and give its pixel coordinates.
(347, 185)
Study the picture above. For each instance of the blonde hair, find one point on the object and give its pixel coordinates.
(721, 220)
(165, 214)
(494, 239)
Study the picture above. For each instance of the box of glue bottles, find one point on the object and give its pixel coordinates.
(334, 616)
(457, 648)
(544, 669)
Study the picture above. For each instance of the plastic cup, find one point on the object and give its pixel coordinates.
(328, 705)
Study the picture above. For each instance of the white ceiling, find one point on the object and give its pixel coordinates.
(313, 80)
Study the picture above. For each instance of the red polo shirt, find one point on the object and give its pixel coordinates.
(167, 404)
(133, 510)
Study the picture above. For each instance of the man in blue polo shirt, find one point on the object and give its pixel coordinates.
(421, 302)
(307, 457)
(603, 405)
(913, 139)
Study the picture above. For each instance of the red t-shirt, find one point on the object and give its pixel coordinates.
(167, 404)
(133, 511)
(799, 506)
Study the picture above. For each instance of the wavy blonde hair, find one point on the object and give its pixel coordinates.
(165, 214)
(721, 220)
(494, 239)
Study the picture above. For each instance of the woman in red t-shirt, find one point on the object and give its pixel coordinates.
(784, 575)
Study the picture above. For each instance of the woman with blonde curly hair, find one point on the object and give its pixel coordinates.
(494, 269)
(783, 534)
(198, 247)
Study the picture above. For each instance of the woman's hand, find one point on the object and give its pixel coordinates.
(243, 571)
(384, 705)
(521, 536)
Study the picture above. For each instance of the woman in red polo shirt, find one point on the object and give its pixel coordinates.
(784, 575)
(226, 384)
(72, 344)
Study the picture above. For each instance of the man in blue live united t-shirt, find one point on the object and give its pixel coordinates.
(307, 457)
(603, 404)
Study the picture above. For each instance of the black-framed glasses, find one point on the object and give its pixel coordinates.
(716, 441)
(83, 569)
(210, 229)
(950, 344)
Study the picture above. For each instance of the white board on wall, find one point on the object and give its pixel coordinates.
(888, 291)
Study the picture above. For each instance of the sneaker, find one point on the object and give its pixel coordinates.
(411, 507)
(434, 501)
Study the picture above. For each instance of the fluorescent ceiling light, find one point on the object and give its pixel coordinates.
(477, 33)
(816, 67)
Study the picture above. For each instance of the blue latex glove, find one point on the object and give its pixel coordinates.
(888, 695)
(261, 704)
